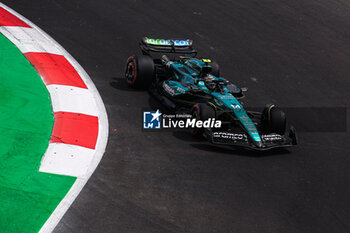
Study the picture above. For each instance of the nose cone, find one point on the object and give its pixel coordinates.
(259, 144)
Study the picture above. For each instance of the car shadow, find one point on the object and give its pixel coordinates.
(202, 144)
(120, 84)
(155, 104)
(185, 135)
(240, 151)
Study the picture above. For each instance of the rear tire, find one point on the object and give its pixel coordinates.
(139, 71)
(274, 120)
(202, 112)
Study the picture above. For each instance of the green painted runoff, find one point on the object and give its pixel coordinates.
(27, 196)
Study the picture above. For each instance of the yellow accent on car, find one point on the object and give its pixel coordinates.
(205, 60)
(272, 106)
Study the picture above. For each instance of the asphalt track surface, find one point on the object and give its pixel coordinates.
(291, 53)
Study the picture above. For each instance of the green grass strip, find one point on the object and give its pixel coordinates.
(27, 196)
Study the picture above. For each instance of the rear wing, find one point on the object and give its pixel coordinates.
(149, 45)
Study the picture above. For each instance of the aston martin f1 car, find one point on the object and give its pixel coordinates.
(188, 84)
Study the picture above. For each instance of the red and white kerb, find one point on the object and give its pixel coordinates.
(80, 131)
(76, 127)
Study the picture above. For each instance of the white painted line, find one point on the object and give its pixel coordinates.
(102, 116)
(29, 40)
(72, 99)
(65, 159)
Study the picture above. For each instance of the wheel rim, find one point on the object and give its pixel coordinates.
(130, 72)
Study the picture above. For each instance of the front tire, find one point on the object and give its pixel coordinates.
(274, 120)
(139, 71)
(202, 112)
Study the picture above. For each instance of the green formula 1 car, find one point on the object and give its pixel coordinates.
(188, 84)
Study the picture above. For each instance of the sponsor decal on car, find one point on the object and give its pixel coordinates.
(181, 90)
(231, 136)
(169, 89)
(165, 42)
(250, 127)
(271, 137)
(236, 106)
(227, 97)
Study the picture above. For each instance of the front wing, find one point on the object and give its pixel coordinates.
(269, 141)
